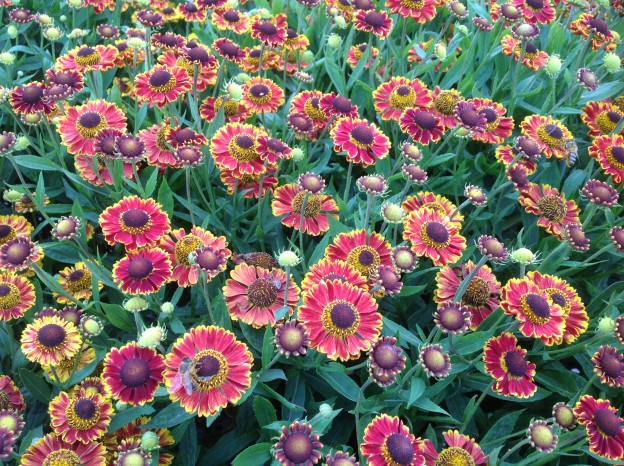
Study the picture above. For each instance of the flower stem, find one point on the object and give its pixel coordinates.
(188, 194)
(358, 405)
(464, 284)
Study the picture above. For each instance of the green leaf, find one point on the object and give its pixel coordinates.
(404, 335)
(426, 404)
(336, 76)
(558, 381)
(150, 186)
(36, 385)
(172, 415)
(119, 317)
(264, 411)
(126, 417)
(502, 427)
(254, 455)
(342, 383)
(417, 388)
(36, 163)
(267, 346)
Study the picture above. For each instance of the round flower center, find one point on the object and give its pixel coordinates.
(64, 78)
(558, 298)
(445, 102)
(65, 227)
(62, 457)
(184, 247)
(198, 54)
(90, 124)
(536, 308)
(399, 449)
(564, 416)
(208, 260)
(425, 120)
(313, 110)
(490, 115)
(374, 19)
(478, 293)
(87, 56)
(130, 147)
(51, 335)
(231, 16)
(388, 278)
(267, 28)
(291, 339)
(362, 136)
(10, 296)
(262, 293)
(135, 221)
(9, 422)
(542, 436)
(340, 319)
(161, 81)
(298, 447)
(615, 155)
(435, 235)
(386, 356)
(599, 26)
(607, 121)
(470, 117)
(550, 134)
(300, 123)
(552, 208)
(342, 104)
(452, 318)
(211, 369)
(243, 148)
(82, 414)
(454, 456)
(79, 280)
(364, 259)
(140, 267)
(402, 97)
(611, 365)
(229, 49)
(134, 372)
(312, 204)
(32, 94)
(190, 7)
(259, 94)
(535, 4)
(516, 364)
(607, 422)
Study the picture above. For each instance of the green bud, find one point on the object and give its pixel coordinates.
(553, 65)
(120, 406)
(12, 31)
(522, 256)
(135, 304)
(136, 43)
(606, 325)
(612, 62)
(440, 51)
(75, 3)
(234, 91)
(150, 441)
(7, 58)
(326, 411)
(462, 29)
(307, 56)
(334, 41)
(45, 20)
(12, 196)
(392, 213)
(52, 33)
(340, 22)
(288, 259)
(242, 78)
(167, 308)
(298, 154)
(62, 18)
(151, 337)
(21, 143)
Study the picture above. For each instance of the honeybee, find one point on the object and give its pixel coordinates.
(187, 376)
(572, 152)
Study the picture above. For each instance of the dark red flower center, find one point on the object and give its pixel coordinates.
(190, 7)
(121, 46)
(343, 315)
(275, 145)
(198, 54)
(76, 275)
(342, 104)
(298, 447)
(4, 290)
(85, 409)
(291, 33)
(259, 90)
(366, 257)
(531, 48)
(255, 53)
(374, 19)
(470, 117)
(5, 230)
(208, 366)
(425, 120)
(188, 155)
(267, 28)
(529, 147)
(184, 135)
(134, 372)
(140, 267)
(510, 12)
(437, 232)
(159, 78)
(32, 94)
(230, 49)
(231, 16)
(169, 11)
(85, 52)
(400, 449)
(363, 4)
(607, 422)
(403, 91)
(611, 365)
(618, 153)
(169, 39)
(516, 364)
(386, 355)
(363, 135)
(535, 4)
(490, 114)
(135, 218)
(262, 292)
(208, 260)
(559, 299)
(107, 144)
(17, 253)
(599, 25)
(51, 335)
(538, 305)
(335, 276)
(388, 278)
(244, 142)
(493, 247)
(614, 116)
(602, 193)
(362, 47)
(299, 122)
(291, 339)
(553, 131)
(90, 119)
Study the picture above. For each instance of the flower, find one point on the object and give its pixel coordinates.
(342, 319)
(77, 281)
(434, 361)
(17, 295)
(536, 11)
(563, 416)
(608, 366)
(289, 200)
(451, 317)
(49, 340)
(271, 32)
(462, 450)
(550, 133)
(66, 228)
(421, 12)
(291, 338)
(385, 360)
(362, 141)
(262, 95)
(434, 202)
(10, 396)
(601, 36)
(541, 436)
(554, 209)
(340, 458)
(338, 106)
(29, 99)
(423, 126)
(587, 79)
(363, 252)
(162, 85)
(179, 245)
(80, 418)
(228, 19)
(506, 362)
(387, 441)
(601, 118)
(533, 58)
(575, 236)
(497, 126)
(143, 271)
(220, 370)
(609, 152)
(254, 295)
(84, 59)
(132, 373)
(433, 235)
(67, 367)
(297, 445)
(469, 118)
(19, 253)
(327, 269)
(234, 147)
(81, 125)
(603, 426)
(378, 23)
(52, 449)
(12, 226)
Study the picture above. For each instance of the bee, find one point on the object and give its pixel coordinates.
(572, 149)
(187, 376)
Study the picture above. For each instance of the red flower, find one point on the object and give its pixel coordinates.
(228, 19)
(391, 98)
(379, 23)
(587, 24)
(362, 141)
(17, 295)
(608, 366)
(82, 418)
(162, 85)
(30, 99)
(444, 103)
(49, 340)
(506, 362)
(362, 252)
(497, 126)
(143, 271)
(10, 397)
(309, 104)
(422, 11)
(326, 269)
(233, 111)
(85, 58)
(609, 151)
(435, 202)
(262, 95)
(461, 450)
(422, 125)
(552, 207)
(387, 441)
(533, 58)
(249, 185)
(536, 11)
(601, 118)
(603, 426)
(297, 445)
(234, 148)
(229, 50)
(271, 32)
(192, 11)
(191, 59)
(52, 448)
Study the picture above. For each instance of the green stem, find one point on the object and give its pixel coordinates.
(348, 185)
(464, 284)
(476, 406)
(515, 448)
(188, 193)
(358, 405)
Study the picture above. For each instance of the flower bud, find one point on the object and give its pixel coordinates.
(242, 78)
(120, 406)
(150, 441)
(606, 325)
(234, 91)
(440, 51)
(167, 308)
(12, 196)
(12, 31)
(7, 58)
(151, 337)
(612, 62)
(334, 41)
(135, 304)
(326, 411)
(333, 11)
(288, 259)
(298, 154)
(340, 22)
(264, 13)
(553, 65)
(522, 256)
(75, 3)
(136, 43)
(52, 33)
(21, 143)
(62, 18)
(462, 29)
(307, 56)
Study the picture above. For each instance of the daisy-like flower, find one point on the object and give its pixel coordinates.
(229, 19)
(251, 63)
(167, 41)
(229, 50)
(52, 449)
(444, 102)
(157, 150)
(601, 118)
(17, 254)
(134, 222)
(30, 99)
(385, 361)
(461, 450)
(387, 441)
(80, 418)
(497, 126)
(363, 142)
(435, 361)
(432, 235)
(71, 79)
(249, 185)
(143, 271)
(262, 95)
(291, 338)
(340, 458)
(506, 154)
(609, 152)
(80, 126)
(17, 295)
(587, 79)
(179, 245)
(254, 294)
(550, 133)
(536, 11)
(600, 193)
(308, 103)
(338, 106)
(562, 294)
(423, 126)
(67, 367)
(162, 85)
(469, 118)
(77, 281)
(234, 148)
(132, 373)
(603, 426)
(537, 312)
(421, 12)
(608, 366)
(85, 58)
(378, 23)
(193, 11)
(363, 253)
(271, 32)
(391, 98)
(553, 208)
(616, 235)
(586, 25)
(506, 362)
(297, 445)
(563, 416)
(197, 60)
(220, 370)
(342, 319)
(10, 396)
(49, 340)
(533, 58)
(272, 149)
(289, 200)
(356, 53)
(326, 269)
(541, 437)
(427, 199)
(233, 111)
